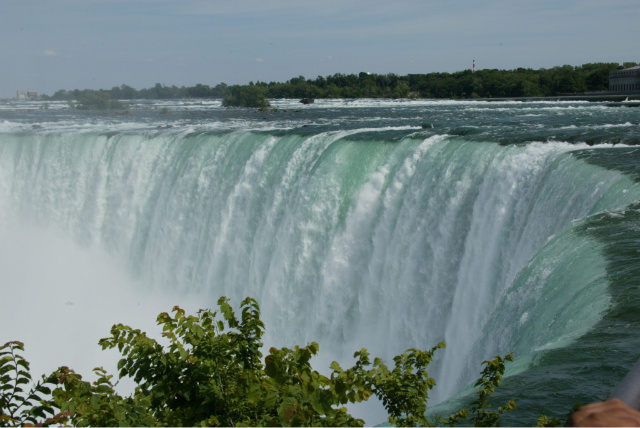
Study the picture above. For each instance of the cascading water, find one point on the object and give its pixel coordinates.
(385, 238)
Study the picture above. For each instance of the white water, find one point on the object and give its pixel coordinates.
(349, 243)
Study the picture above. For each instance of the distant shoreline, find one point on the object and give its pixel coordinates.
(562, 82)
(585, 97)
(617, 98)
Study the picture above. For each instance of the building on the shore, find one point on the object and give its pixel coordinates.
(627, 80)
(27, 96)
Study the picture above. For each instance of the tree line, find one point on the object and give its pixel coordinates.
(488, 83)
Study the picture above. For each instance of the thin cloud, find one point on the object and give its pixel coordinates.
(49, 53)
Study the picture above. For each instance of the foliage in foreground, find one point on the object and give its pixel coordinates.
(212, 373)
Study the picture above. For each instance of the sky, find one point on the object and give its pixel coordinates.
(47, 45)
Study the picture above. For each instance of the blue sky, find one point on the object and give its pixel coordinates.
(46, 45)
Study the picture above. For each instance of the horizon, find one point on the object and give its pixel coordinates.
(101, 44)
(280, 82)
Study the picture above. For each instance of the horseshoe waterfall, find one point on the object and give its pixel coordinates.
(495, 227)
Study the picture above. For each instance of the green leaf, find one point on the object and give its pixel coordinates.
(254, 394)
(321, 401)
(104, 389)
(271, 397)
(287, 410)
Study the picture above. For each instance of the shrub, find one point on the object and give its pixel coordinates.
(245, 96)
(212, 373)
(97, 100)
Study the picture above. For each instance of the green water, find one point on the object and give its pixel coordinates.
(497, 227)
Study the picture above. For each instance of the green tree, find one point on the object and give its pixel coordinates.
(245, 96)
(219, 90)
(97, 100)
(200, 91)
(401, 90)
(19, 406)
(211, 376)
(97, 403)
(212, 372)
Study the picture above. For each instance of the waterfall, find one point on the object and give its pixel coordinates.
(350, 238)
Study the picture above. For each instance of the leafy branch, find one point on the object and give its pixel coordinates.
(212, 373)
(18, 405)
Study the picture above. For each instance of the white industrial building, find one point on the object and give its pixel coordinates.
(26, 96)
(627, 80)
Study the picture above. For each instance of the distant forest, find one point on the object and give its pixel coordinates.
(521, 82)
